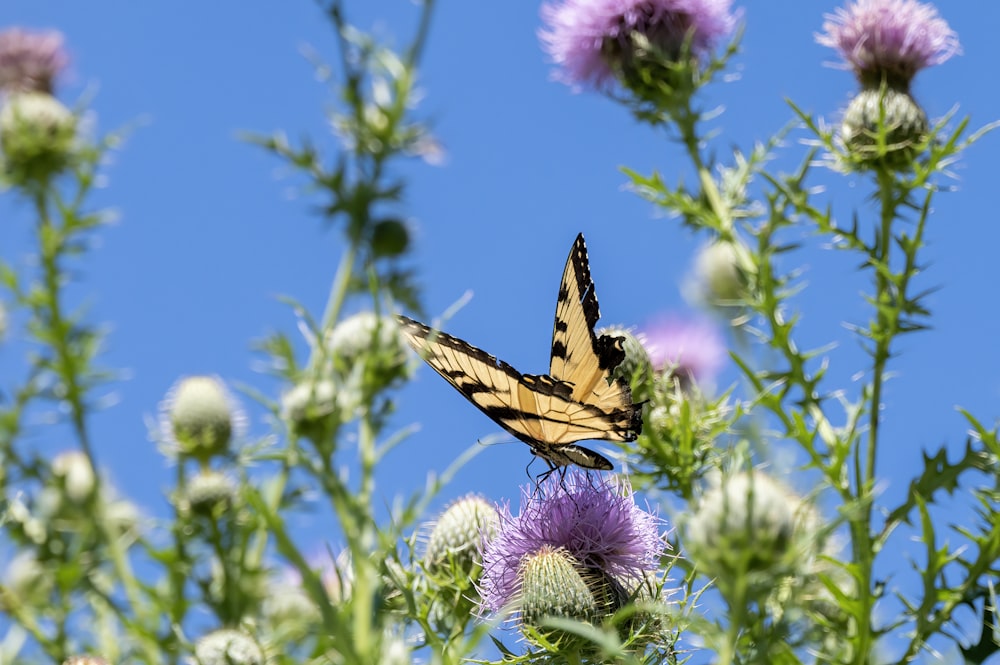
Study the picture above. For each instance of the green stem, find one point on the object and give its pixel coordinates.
(335, 301)
(51, 243)
(883, 332)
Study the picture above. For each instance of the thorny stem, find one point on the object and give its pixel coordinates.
(51, 246)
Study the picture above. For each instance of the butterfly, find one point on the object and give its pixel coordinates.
(578, 399)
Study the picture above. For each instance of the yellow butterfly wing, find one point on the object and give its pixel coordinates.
(586, 361)
(576, 402)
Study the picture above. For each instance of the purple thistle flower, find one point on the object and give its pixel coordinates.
(582, 35)
(30, 61)
(891, 38)
(595, 521)
(691, 349)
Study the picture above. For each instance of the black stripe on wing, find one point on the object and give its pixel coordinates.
(495, 394)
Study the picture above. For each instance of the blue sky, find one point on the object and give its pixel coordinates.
(210, 232)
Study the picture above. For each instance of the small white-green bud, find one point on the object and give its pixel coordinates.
(202, 416)
(312, 409)
(458, 535)
(85, 660)
(36, 137)
(208, 491)
(720, 274)
(227, 647)
(74, 471)
(372, 340)
(748, 524)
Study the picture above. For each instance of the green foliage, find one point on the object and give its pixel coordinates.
(224, 577)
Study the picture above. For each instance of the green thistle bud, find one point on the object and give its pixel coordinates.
(27, 581)
(890, 142)
(85, 660)
(748, 526)
(228, 647)
(720, 275)
(201, 416)
(390, 238)
(75, 474)
(371, 343)
(554, 584)
(636, 369)
(289, 608)
(36, 137)
(312, 409)
(209, 492)
(457, 537)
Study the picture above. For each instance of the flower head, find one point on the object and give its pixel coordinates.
(720, 275)
(595, 522)
(748, 524)
(692, 350)
(891, 39)
(590, 39)
(458, 535)
(200, 416)
(37, 136)
(228, 647)
(30, 61)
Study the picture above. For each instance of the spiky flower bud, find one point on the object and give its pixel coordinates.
(27, 580)
(208, 492)
(457, 538)
(746, 525)
(75, 473)
(553, 586)
(312, 409)
(721, 270)
(201, 416)
(288, 607)
(372, 344)
(37, 134)
(227, 647)
(884, 127)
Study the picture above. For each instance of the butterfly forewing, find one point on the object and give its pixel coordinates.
(580, 357)
(534, 408)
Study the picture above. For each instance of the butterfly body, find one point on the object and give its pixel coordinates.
(577, 400)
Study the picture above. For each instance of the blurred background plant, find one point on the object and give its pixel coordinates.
(750, 570)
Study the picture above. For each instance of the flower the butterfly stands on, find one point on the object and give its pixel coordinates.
(579, 398)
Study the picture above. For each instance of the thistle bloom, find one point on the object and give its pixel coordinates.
(889, 38)
(590, 40)
(30, 61)
(596, 523)
(691, 350)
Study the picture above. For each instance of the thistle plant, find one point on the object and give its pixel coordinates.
(775, 543)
